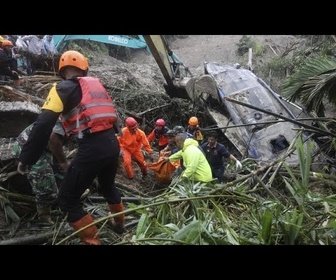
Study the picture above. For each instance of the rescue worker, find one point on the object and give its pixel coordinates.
(194, 129)
(159, 133)
(87, 111)
(8, 63)
(171, 147)
(42, 176)
(214, 153)
(132, 141)
(164, 168)
(196, 166)
(179, 129)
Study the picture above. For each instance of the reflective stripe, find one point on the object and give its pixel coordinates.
(80, 122)
(71, 114)
(96, 104)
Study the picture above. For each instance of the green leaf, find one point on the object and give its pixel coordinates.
(190, 233)
(266, 226)
(142, 224)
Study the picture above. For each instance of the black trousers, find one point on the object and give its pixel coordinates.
(79, 177)
(218, 172)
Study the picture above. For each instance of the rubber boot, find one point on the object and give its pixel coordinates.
(89, 235)
(44, 217)
(118, 221)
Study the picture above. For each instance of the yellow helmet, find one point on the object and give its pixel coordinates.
(73, 58)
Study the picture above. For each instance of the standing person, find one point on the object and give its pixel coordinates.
(35, 48)
(86, 110)
(196, 166)
(34, 43)
(132, 141)
(21, 48)
(41, 175)
(194, 129)
(214, 153)
(159, 133)
(49, 45)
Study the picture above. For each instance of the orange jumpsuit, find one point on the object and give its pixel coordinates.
(160, 135)
(131, 145)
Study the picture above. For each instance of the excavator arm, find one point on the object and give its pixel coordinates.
(179, 81)
(167, 61)
(172, 68)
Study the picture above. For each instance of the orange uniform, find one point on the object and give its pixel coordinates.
(131, 144)
(160, 135)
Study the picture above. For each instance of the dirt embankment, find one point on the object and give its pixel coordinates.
(140, 69)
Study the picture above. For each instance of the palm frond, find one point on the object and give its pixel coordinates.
(315, 81)
(294, 85)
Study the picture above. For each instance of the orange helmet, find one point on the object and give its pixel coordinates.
(193, 121)
(73, 58)
(7, 43)
(131, 123)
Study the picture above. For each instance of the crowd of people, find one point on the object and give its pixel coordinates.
(80, 106)
(17, 53)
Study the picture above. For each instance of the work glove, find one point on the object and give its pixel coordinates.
(238, 165)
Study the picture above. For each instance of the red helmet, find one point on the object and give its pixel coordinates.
(131, 123)
(193, 121)
(160, 122)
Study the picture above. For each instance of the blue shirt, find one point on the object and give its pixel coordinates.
(215, 154)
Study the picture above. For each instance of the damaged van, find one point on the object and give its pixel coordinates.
(256, 120)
